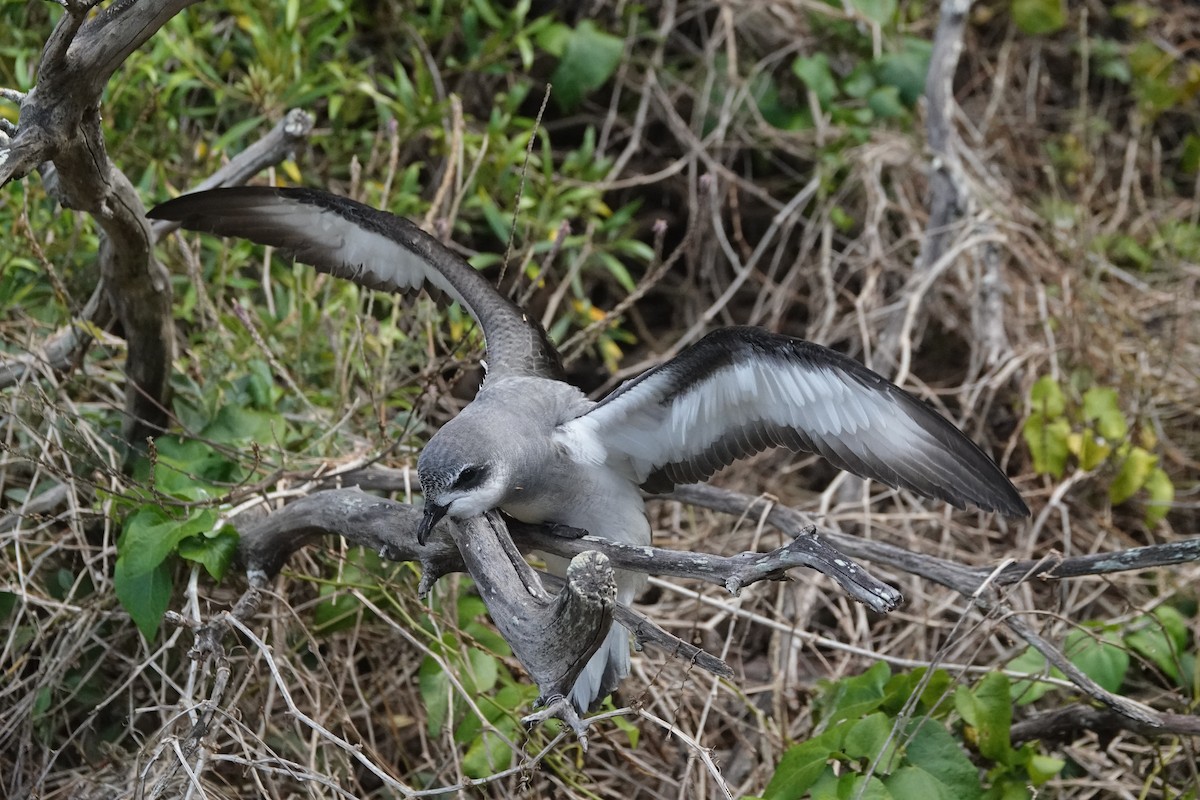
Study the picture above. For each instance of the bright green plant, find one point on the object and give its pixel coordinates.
(1039, 17)
(1095, 433)
(173, 504)
(1102, 652)
(900, 736)
(867, 88)
(474, 653)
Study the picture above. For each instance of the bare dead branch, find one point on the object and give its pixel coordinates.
(1065, 725)
(977, 584)
(65, 346)
(733, 572)
(59, 122)
(552, 636)
(948, 193)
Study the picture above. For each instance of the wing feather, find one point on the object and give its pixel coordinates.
(741, 390)
(374, 249)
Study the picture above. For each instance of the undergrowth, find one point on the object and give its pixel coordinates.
(1080, 146)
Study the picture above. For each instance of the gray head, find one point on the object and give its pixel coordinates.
(460, 472)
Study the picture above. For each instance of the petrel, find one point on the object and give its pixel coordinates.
(535, 447)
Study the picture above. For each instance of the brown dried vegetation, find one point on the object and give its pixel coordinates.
(1070, 262)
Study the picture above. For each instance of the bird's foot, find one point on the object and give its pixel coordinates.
(560, 708)
(566, 531)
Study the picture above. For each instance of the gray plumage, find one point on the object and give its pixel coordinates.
(533, 446)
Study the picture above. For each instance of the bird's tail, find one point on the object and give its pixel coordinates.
(609, 665)
(604, 672)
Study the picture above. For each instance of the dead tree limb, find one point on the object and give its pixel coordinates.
(553, 636)
(59, 123)
(64, 347)
(979, 585)
(949, 194)
(1065, 724)
(388, 526)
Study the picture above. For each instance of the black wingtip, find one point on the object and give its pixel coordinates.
(180, 208)
(1013, 505)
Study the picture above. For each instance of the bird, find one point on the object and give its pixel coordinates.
(535, 447)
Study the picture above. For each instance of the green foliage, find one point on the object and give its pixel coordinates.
(473, 652)
(1095, 432)
(894, 736)
(1102, 652)
(875, 90)
(1039, 17)
(1162, 79)
(172, 509)
(587, 58)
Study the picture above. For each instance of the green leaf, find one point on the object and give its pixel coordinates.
(487, 755)
(851, 698)
(1162, 496)
(214, 550)
(885, 103)
(914, 782)
(589, 60)
(1174, 625)
(632, 732)
(617, 270)
(815, 72)
(1189, 158)
(337, 611)
(906, 70)
(871, 739)
(150, 535)
(1101, 657)
(1042, 768)
(553, 39)
(1049, 443)
(238, 425)
(144, 595)
(434, 686)
(987, 707)
(1039, 17)
(850, 786)
(469, 608)
(931, 749)
(1133, 474)
(1046, 397)
(483, 669)
(1091, 451)
(1033, 663)
(800, 767)
(1101, 406)
(878, 11)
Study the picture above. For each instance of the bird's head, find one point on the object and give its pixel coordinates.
(458, 477)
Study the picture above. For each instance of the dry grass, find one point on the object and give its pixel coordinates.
(89, 710)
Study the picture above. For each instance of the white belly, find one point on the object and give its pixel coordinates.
(595, 499)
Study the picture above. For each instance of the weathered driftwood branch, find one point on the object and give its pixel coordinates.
(977, 584)
(59, 122)
(1065, 724)
(733, 572)
(948, 192)
(388, 527)
(553, 636)
(65, 345)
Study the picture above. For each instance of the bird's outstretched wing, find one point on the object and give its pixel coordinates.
(371, 248)
(742, 390)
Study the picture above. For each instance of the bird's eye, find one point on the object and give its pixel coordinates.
(470, 476)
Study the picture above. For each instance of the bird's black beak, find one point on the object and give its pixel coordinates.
(433, 514)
